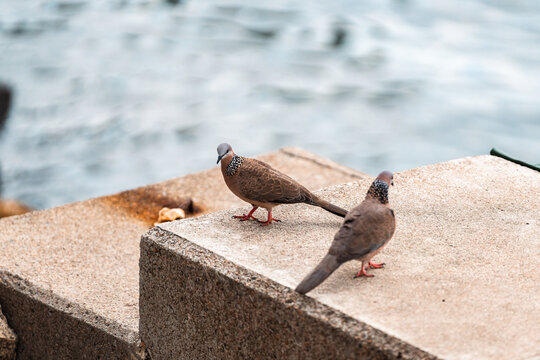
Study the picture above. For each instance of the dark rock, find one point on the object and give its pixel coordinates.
(173, 2)
(339, 36)
(5, 102)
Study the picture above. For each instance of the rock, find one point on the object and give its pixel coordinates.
(12, 207)
(8, 339)
(5, 101)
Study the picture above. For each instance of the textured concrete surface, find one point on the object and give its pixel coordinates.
(460, 282)
(50, 327)
(84, 256)
(198, 305)
(8, 339)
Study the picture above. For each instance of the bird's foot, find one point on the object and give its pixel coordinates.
(245, 217)
(270, 219)
(363, 273)
(268, 222)
(376, 265)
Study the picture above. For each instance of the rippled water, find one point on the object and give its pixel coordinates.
(117, 94)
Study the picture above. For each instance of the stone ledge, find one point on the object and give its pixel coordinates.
(55, 328)
(8, 339)
(460, 279)
(85, 256)
(196, 304)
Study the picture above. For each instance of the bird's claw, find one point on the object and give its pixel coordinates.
(245, 217)
(376, 265)
(363, 273)
(268, 222)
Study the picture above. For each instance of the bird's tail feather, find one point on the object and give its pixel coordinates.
(326, 267)
(336, 210)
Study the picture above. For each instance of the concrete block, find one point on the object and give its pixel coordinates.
(54, 328)
(8, 339)
(196, 304)
(69, 276)
(460, 280)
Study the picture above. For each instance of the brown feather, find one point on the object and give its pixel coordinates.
(367, 228)
(261, 185)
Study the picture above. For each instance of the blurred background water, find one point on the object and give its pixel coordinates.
(120, 93)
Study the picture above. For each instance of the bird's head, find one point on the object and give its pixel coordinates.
(387, 177)
(379, 188)
(224, 150)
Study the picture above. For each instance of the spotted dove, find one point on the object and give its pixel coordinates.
(365, 231)
(263, 186)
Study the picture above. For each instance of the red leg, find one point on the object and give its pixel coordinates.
(363, 272)
(248, 216)
(376, 265)
(270, 219)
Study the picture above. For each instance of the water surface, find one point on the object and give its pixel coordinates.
(116, 94)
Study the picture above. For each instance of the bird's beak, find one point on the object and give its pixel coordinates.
(392, 182)
(219, 158)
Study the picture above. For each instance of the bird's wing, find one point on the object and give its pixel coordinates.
(365, 229)
(259, 181)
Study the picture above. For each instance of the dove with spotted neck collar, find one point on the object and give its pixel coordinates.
(260, 185)
(366, 230)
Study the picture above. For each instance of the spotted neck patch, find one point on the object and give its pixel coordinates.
(235, 163)
(379, 190)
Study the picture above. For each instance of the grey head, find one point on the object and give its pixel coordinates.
(223, 150)
(386, 176)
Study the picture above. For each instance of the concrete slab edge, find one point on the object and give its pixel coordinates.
(8, 339)
(50, 327)
(348, 337)
(321, 161)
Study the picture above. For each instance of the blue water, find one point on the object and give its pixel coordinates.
(115, 94)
